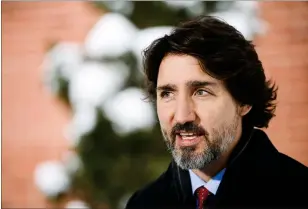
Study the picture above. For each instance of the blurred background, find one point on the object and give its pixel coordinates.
(76, 132)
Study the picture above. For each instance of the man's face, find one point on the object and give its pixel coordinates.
(198, 117)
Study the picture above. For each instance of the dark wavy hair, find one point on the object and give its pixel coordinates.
(224, 54)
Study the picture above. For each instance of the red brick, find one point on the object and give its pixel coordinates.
(33, 120)
(283, 51)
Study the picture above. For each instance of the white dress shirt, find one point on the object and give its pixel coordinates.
(212, 185)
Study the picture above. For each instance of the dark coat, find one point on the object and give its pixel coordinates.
(256, 176)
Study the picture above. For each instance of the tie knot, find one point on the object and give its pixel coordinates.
(202, 194)
(202, 190)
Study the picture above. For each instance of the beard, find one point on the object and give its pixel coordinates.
(215, 144)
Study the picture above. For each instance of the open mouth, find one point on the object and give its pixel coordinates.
(188, 138)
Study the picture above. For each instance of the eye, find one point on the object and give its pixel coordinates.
(165, 94)
(201, 92)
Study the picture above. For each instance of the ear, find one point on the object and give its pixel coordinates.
(244, 109)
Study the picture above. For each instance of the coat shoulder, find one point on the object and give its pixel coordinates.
(293, 182)
(151, 195)
(292, 167)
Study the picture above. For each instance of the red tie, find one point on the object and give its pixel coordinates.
(202, 194)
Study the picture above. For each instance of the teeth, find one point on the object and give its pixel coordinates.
(188, 137)
(186, 134)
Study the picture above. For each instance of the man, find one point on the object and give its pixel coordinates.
(212, 96)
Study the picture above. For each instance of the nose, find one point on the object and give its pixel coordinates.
(184, 111)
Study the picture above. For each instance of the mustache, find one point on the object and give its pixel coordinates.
(188, 127)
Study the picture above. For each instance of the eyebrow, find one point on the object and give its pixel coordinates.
(190, 84)
(166, 87)
(197, 84)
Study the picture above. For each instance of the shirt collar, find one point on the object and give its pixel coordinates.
(212, 185)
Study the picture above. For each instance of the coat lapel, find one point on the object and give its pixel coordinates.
(246, 178)
(183, 186)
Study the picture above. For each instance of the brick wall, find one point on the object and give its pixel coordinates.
(283, 51)
(33, 120)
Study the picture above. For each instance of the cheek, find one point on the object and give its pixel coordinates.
(209, 118)
(214, 114)
(164, 116)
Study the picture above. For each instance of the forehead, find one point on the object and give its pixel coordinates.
(177, 69)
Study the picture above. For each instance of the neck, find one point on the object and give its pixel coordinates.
(214, 167)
